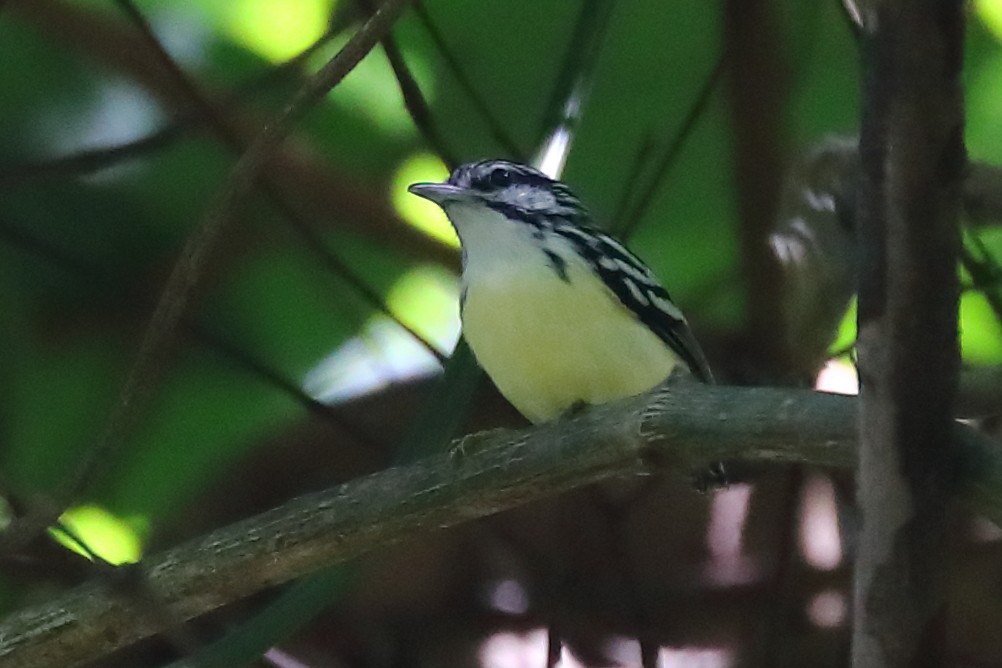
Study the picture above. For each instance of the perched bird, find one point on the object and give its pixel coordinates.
(558, 313)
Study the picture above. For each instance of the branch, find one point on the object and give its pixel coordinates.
(633, 206)
(317, 185)
(913, 162)
(192, 264)
(572, 86)
(757, 89)
(681, 427)
(448, 54)
(815, 242)
(231, 138)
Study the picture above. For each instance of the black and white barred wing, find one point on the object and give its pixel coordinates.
(636, 286)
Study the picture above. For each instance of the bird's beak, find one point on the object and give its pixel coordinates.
(439, 193)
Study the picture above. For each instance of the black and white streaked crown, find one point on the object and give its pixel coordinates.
(548, 206)
(520, 191)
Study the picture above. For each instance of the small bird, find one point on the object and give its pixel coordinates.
(558, 313)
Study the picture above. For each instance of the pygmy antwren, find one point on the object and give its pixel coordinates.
(558, 313)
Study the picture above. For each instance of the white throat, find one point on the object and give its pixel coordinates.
(492, 243)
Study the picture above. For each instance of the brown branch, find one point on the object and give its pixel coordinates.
(913, 161)
(195, 256)
(815, 242)
(757, 88)
(186, 276)
(414, 100)
(316, 185)
(230, 137)
(681, 427)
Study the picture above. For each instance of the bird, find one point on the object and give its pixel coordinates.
(559, 314)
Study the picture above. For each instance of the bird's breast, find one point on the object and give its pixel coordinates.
(550, 340)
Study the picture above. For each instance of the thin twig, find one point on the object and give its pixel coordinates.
(641, 161)
(985, 272)
(186, 276)
(191, 265)
(414, 101)
(27, 241)
(232, 139)
(91, 161)
(497, 130)
(626, 223)
(116, 45)
(573, 84)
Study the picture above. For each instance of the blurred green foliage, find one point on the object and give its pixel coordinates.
(76, 295)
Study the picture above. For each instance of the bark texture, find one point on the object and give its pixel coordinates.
(913, 159)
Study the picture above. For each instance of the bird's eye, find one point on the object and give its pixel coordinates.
(500, 178)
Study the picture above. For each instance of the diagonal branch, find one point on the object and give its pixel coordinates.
(193, 263)
(680, 427)
(197, 252)
(572, 87)
(229, 135)
(494, 125)
(317, 186)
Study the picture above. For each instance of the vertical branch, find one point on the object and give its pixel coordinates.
(912, 153)
(572, 87)
(756, 89)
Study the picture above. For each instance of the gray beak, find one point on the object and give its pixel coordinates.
(437, 192)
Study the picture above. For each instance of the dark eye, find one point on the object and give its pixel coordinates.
(500, 178)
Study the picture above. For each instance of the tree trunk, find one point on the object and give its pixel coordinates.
(913, 159)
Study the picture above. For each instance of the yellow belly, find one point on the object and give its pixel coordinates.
(549, 345)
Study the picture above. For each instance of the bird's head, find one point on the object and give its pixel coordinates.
(517, 191)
